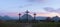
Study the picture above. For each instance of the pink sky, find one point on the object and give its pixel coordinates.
(38, 14)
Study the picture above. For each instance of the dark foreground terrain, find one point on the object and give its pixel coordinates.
(41, 24)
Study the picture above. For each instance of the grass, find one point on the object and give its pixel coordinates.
(41, 24)
(45, 24)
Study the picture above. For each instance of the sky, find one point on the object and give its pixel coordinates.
(41, 7)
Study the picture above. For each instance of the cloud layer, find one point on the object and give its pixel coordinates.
(49, 9)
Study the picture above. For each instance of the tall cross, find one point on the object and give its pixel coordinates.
(27, 14)
(27, 11)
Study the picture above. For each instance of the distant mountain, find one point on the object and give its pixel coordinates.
(7, 18)
(22, 18)
(41, 18)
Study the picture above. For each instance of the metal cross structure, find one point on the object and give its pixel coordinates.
(19, 17)
(27, 15)
(34, 16)
(27, 11)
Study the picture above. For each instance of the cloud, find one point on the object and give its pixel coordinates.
(49, 9)
(31, 0)
(36, 0)
(58, 10)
